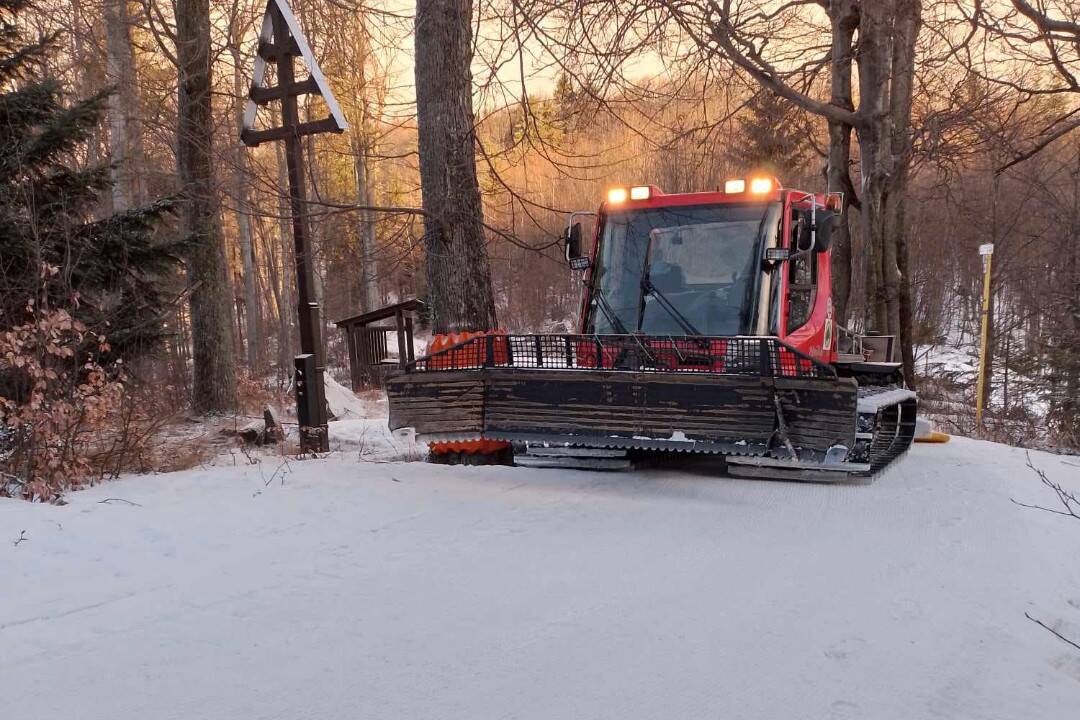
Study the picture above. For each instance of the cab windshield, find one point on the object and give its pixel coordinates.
(703, 266)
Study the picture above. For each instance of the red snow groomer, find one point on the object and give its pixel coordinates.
(706, 327)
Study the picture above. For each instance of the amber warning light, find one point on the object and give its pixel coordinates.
(620, 194)
(616, 195)
(759, 186)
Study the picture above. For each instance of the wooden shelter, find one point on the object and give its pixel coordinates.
(365, 335)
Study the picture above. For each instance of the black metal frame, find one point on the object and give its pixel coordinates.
(740, 355)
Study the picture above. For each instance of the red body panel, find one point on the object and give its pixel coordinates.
(817, 337)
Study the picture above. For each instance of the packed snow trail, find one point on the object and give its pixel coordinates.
(345, 588)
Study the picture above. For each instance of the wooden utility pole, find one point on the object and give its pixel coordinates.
(280, 41)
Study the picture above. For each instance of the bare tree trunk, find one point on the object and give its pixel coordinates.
(1070, 404)
(907, 322)
(252, 316)
(887, 35)
(125, 140)
(180, 348)
(214, 380)
(89, 73)
(276, 289)
(875, 59)
(844, 17)
(367, 94)
(369, 296)
(458, 274)
(1069, 359)
(907, 21)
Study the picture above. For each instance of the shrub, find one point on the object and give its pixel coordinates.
(55, 401)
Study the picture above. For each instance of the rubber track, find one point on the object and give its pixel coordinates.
(894, 431)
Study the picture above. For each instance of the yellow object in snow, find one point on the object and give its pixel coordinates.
(934, 437)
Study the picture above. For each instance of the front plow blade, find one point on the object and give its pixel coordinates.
(758, 399)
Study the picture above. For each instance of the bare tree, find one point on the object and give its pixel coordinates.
(844, 21)
(252, 307)
(214, 380)
(125, 136)
(884, 50)
(458, 274)
(1042, 39)
(363, 139)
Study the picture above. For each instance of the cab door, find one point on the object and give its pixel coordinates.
(807, 315)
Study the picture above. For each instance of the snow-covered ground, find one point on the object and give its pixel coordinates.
(359, 587)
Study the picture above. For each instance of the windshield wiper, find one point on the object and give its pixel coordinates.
(609, 313)
(647, 288)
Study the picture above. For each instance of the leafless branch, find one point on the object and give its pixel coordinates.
(1070, 503)
(1051, 630)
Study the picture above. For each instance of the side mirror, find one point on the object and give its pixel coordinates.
(824, 231)
(572, 241)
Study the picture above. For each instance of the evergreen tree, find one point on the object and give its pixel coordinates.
(774, 137)
(116, 274)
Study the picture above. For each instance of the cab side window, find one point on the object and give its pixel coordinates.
(802, 280)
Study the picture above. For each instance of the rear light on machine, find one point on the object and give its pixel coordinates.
(641, 192)
(735, 186)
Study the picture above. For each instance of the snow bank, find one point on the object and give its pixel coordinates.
(372, 440)
(342, 588)
(343, 403)
(361, 427)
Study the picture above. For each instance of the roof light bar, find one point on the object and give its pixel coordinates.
(735, 186)
(757, 186)
(641, 192)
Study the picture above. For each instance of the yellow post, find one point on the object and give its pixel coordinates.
(986, 252)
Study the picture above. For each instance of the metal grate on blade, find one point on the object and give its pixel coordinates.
(751, 356)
